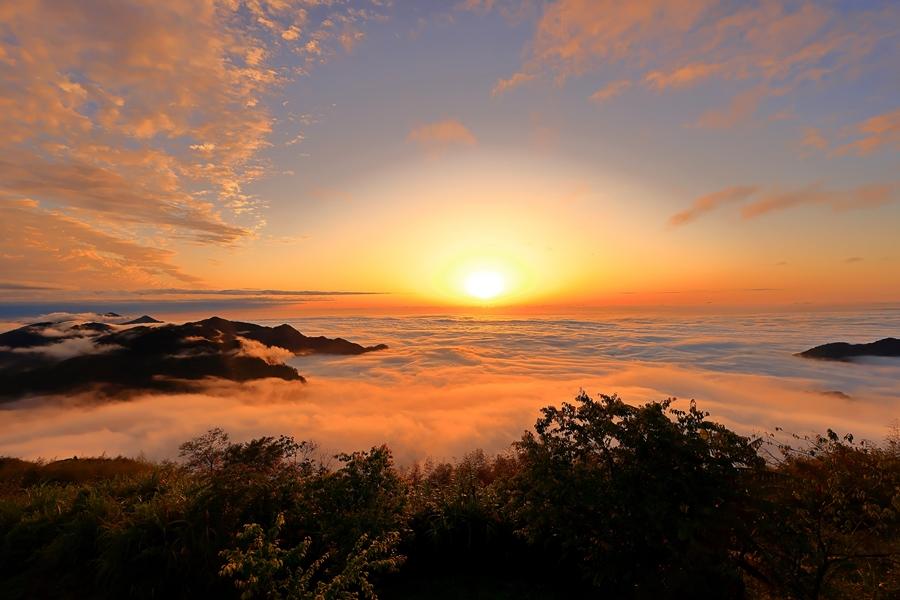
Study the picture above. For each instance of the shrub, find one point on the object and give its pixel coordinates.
(647, 500)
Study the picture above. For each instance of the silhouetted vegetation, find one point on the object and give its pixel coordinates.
(602, 499)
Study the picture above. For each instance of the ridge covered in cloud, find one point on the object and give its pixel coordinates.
(116, 357)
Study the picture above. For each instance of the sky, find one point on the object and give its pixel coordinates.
(416, 154)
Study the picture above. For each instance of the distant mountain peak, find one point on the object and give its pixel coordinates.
(143, 319)
(889, 347)
(35, 359)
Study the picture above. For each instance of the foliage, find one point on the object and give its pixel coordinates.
(828, 523)
(646, 499)
(602, 499)
(260, 568)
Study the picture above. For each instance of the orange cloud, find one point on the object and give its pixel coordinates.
(681, 76)
(504, 85)
(128, 111)
(773, 46)
(37, 244)
(439, 136)
(869, 196)
(710, 202)
(417, 419)
(127, 187)
(874, 133)
(611, 90)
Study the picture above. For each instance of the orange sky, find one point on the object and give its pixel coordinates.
(580, 153)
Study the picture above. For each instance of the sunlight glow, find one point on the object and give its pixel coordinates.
(485, 284)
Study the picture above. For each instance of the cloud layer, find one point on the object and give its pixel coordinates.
(448, 385)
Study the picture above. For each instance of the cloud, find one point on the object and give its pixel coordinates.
(273, 355)
(66, 348)
(710, 202)
(63, 320)
(515, 80)
(447, 386)
(43, 245)
(6, 285)
(151, 115)
(880, 131)
(111, 192)
(682, 76)
(437, 137)
(249, 292)
(770, 47)
(764, 202)
(611, 90)
(869, 196)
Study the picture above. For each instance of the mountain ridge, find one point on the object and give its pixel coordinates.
(57, 357)
(844, 351)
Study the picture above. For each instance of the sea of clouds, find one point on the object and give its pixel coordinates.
(448, 385)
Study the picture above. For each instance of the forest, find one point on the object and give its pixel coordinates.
(602, 499)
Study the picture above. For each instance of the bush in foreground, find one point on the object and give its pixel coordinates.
(602, 499)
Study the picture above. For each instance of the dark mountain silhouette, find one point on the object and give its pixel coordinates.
(283, 336)
(142, 320)
(98, 327)
(844, 351)
(165, 357)
(29, 336)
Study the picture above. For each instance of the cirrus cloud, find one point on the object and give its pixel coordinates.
(762, 202)
(765, 48)
(611, 90)
(710, 202)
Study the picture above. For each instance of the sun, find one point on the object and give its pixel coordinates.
(484, 285)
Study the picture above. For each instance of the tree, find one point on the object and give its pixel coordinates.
(645, 499)
(205, 453)
(828, 522)
(260, 568)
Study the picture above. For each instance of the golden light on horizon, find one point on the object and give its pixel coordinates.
(482, 277)
(485, 285)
